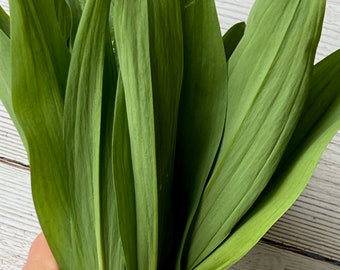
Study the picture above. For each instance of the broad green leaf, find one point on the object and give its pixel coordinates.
(202, 110)
(82, 126)
(166, 55)
(232, 38)
(124, 180)
(291, 178)
(269, 74)
(40, 60)
(5, 71)
(133, 48)
(323, 91)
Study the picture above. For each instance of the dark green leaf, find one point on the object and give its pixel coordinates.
(4, 22)
(232, 38)
(166, 55)
(112, 245)
(202, 109)
(124, 180)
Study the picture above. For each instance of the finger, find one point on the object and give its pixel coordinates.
(40, 256)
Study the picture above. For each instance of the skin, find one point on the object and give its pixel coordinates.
(40, 256)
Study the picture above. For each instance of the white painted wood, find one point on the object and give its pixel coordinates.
(18, 221)
(312, 224)
(267, 257)
(5, 5)
(233, 11)
(11, 146)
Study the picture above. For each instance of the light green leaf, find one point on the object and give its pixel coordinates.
(269, 74)
(82, 126)
(324, 90)
(40, 60)
(232, 38)
(133, 48)
(202, 110)
(5, 71)
(291, 178)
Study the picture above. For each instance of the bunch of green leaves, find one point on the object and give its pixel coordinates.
(154, 141)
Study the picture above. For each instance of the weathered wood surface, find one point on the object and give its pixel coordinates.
(312, 224)
(268, 257)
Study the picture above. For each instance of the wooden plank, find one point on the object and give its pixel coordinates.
(10, 143)
(18, 221)
(267, 257)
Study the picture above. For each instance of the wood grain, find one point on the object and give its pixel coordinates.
(18, 221)
(267, 257)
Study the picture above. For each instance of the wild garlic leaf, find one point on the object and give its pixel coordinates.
(5, 72)
(124, 180)
(40, 60)
(269, 74)
(5, 82)
(63, 14)
(75, 8)
(166, 56)
(324, 89)
(4, 22)
(112, 245)
(291, 178)
(202, 110)
(232, 38)
(82, 129)
(133, 49)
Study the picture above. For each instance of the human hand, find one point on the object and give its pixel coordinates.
(40, 256)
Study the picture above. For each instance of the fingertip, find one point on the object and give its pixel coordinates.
(40, 256)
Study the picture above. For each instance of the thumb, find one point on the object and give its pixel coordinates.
(40, 256)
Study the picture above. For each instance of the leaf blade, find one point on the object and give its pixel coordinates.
(38, 106)
(82, 125)
(202, 111)
(268, 83)
(132, 43)
(283, 189)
